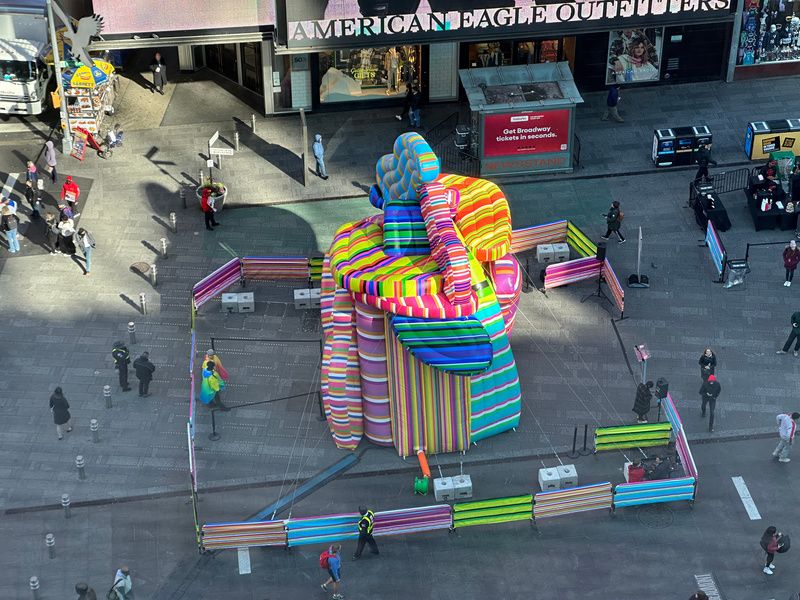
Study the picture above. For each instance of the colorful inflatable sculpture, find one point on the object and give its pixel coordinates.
(417, 305)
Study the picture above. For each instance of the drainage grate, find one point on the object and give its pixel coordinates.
(141, 268)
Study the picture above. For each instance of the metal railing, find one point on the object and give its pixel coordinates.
(730, 181)
(442, 130)
(455, 160)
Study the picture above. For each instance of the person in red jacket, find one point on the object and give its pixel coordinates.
(791, 257)
(207, 205)
(70, 191)
(636, 472)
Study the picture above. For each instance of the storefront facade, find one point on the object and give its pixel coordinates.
(769, 40)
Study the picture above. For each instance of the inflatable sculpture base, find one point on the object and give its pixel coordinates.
(417, 305)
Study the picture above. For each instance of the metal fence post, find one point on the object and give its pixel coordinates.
(163, 247)
(50, 542)
(94, 427)
(253, 122)
(143, 303)
(34, 583)
(173, 219)
(214, 436)
(182, 192)
(81, 465)
(107, 395)
(65, 506)
(235, 139)
(132, 332)
(153, 275)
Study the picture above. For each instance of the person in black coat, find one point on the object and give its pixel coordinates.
(642, 404)
(406, 103)
(144, 373)
(60, 409)
(703, 158)
(709, 392)
(122, 358)
(159, 69)
(708, 363)
(614, 218)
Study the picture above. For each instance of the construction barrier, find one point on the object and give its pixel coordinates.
(716, 249)
(326, 529)
(632, 436)
(528, 238)
(654, 492)
(413, 520)
(213, 285)
(497, 510)
(572, 271)
(572, 500)
(220, 536)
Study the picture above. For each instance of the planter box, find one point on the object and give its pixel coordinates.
(219, 201)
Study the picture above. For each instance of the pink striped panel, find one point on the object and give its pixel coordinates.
(217, 282)
(613, 284)
(530, 237)
(273, 267)
(571, 271)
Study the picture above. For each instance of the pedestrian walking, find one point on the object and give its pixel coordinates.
(791, 257)
(331, 561)
(32, 173)
(122, 584)
(87, 245)
(365, 525)
(772, 542)
(787, 426)
(406, 103)
(641, 405)
(794, 335)
(703, 158)
(709, 392)
(60, 409)
(144, 373)
(122, 358)
(70, 192)
(319, 155)
(50, 159)
(209, 210)
(212, 356)
(8, 224)
(210, 387)
(85, 592)
(415, 110)
(612, 100)
(708, 363)
(66, 235)
(159, 69)
(34, 197)
(614, 218)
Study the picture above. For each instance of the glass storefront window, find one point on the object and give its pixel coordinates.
(367, 73)
(770, 32)
(251, 67)
(518, 52)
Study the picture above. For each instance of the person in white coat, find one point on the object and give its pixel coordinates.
(122, 583)
(787, 425)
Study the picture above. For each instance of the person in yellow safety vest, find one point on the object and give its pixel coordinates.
(365, 525)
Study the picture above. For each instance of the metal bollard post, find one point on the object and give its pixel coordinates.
(94, 427)
(107, 395)
(65, 506)
(81, 464)
(214, 436)
(182, 192)
(153, 275)
(200, 179)
(34, 583)
(573, 453)
(143, 303)
(236, 140)
(253, 122)
(132, 332)
(163, 247)
(173, 219)
(585, 451)
(50, 542)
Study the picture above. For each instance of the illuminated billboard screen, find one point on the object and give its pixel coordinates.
(134, 16)
(332, 23)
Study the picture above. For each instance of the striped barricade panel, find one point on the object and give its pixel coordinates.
(654, 492)
(671, 412)
(322, 530)
(632, 436)
(218, 536)
(579, 241)
(559, 274)
(497, 510)
(274, 267)
(530, 237)
(685, 453)
(315, 267)
(217, 282)
(413, 520)
(572, 500)
(617, 292)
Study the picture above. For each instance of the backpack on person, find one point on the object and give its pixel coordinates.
(621, 216)
(784, 543)
(323, 559)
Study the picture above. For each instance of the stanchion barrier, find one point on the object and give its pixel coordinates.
(632, 436)
(219, 536)
(573, 500)
(654, 492)
(497, 510)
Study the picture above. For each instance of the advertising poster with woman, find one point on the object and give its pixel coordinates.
(634, 55)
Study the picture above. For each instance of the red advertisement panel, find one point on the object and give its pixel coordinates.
(526, 133)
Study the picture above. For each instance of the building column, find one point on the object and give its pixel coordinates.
(266, 75)
(443, 72)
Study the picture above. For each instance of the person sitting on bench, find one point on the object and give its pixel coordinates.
(661, 469)
(636, 472)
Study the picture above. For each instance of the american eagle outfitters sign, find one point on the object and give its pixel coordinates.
(332, 23)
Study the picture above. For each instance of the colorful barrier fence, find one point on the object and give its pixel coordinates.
(530, 237)
(220, 280)
(579, 241)
(564, 273)
(573, 500)
(681, 443)
(632, 436)
(497, 510)
(413, 520)
(614, 286)
(654, 492)
(326, 529)
(220, 536)
(716, 249)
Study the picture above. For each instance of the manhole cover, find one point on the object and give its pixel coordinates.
(142, 268)
(656, 516)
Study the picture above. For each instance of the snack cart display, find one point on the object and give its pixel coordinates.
(89, 93)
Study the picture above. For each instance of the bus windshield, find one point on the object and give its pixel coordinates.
(17, 70)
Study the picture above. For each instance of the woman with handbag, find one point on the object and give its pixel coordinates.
(791, 258)
(771, 543)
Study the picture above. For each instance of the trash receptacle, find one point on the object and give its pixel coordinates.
(737, 271)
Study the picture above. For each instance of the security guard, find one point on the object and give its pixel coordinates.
(122, 358)
(365, 524)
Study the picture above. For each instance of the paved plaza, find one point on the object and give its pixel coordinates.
(576, 366)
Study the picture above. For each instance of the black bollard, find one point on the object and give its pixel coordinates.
(574, 453)
(585, 451)
(214, 436)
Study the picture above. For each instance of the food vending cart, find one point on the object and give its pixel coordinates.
(89, 93)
